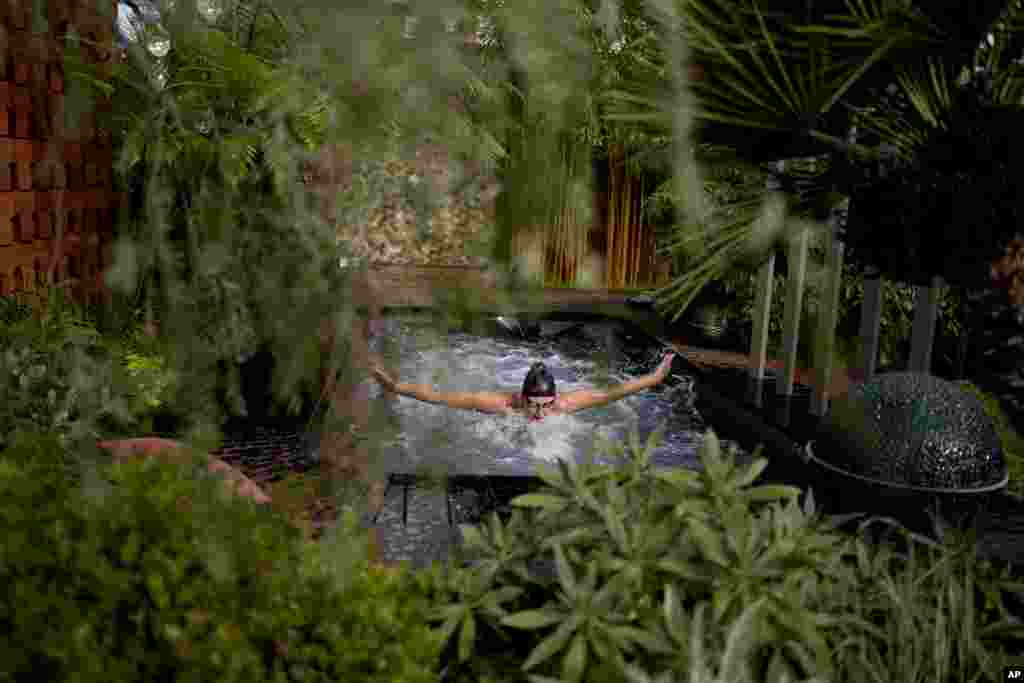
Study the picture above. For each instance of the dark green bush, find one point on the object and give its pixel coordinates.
(632, 573)
(60, 374)
(151, 575)
(1009, 439)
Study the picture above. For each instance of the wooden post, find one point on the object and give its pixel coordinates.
(828, 316)
(797, 256)
(762, 312)
(762, 318)
(926, 313)
(870, 322)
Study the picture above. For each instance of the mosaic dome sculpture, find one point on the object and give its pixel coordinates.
(912, 430)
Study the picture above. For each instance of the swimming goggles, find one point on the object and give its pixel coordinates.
(541, 400)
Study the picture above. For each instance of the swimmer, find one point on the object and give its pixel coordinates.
(536, 400)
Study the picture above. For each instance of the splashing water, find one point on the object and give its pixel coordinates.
(468, 442)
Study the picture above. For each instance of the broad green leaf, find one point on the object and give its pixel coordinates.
(650, 641)
(505, 594)
(497, 531)
(472, 538)
(565, 574)
(578, 536)
(448, 628)
(545, 501)
(617, 530)
(686, 479)
(673, 612)
(654, 439)
(447, 612)
(467, 638)
(708, 541)
(770, 492)
(552, 476)
(575, 661)
(533, 619)
(553, 644)
(683, 570)
(750, 475)
(739, 643)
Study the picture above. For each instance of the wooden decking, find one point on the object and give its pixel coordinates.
(423, 286)
(709, 358)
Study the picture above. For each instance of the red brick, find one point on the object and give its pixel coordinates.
(22, 151)
(6, 232)
(41, 150)
(56, 80)
(43, 230)
(18, 16)
(73, 172)
(73, 153)
(24, 176)
(22, 72)
(22, 123)
(22, 223)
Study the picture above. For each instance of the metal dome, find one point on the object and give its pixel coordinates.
(912, 430)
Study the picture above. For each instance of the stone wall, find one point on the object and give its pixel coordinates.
(431, 187)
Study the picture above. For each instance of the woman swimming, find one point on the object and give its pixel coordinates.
(536, 400)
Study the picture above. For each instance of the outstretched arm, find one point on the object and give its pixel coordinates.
(484, 401)
(592, 398)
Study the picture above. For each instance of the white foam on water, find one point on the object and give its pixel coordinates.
(468, 440)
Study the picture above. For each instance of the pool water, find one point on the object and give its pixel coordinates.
(417, 437)
(422, 435)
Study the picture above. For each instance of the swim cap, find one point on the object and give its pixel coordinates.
(539, 381)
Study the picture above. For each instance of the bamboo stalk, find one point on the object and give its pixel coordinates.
(637, 237)
(637, 245)
(610, 221)
(620, 210)
(627, 244)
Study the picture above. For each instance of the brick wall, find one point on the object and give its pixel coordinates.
(55, 178)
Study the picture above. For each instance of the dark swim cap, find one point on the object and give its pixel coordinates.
(539, 381)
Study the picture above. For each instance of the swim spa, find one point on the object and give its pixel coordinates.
(472, 453)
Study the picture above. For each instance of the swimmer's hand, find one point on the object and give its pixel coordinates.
(386, 380)
(666, 364)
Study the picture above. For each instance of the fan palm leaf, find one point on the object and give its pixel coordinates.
(775, 85)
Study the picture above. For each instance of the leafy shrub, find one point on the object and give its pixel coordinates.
(1009, 439)
(56, 378)
(59, 373)
(13, 310)
(155, 576)
(641, 574)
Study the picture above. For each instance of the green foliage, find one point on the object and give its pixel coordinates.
(1011, 441)
(61, 375)
(627, 572)
(736, 291)
(158, 576)
(56, 376)
(221, 236)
